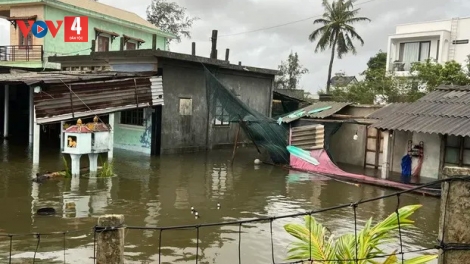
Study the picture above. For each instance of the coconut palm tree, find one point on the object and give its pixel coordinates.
(336, 31)
(314, 241)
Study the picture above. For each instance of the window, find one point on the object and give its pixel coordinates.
(28, 41)
(134, 117)
(130, 46)
(103, 43)
(186, 106)
(437, 52)
(222, 117)
(457, 151)
(413, 52)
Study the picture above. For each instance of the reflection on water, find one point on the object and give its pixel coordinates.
(159, 191)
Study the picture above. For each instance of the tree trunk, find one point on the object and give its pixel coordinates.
(330, 68)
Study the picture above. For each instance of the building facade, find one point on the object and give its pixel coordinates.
(440, 41)
(437, 123)
(184, 123)
(106, 24)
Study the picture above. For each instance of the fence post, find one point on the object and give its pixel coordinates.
(110, 243)
(453, 222)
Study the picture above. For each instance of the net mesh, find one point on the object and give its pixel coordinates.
(264, 131)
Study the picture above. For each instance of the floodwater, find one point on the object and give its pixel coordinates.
(159, 191)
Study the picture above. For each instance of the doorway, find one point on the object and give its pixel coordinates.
(374, 148)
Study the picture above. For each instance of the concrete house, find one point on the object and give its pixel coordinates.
(439, 121)
(183, 123)
(106, 24)
(441, 41)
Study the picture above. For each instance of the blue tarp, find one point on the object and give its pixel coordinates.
(406, 169)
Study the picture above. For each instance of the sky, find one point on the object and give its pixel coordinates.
(251, 30)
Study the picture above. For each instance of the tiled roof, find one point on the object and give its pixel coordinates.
(341, 80)
(317, 110)
(445, 111)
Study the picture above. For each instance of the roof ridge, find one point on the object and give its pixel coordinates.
(107, 10)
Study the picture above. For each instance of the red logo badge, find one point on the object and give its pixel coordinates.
(76, 29)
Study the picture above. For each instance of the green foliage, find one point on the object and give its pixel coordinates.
(429, 74)
(68, 172)
(291, 72)
(170, 17)
(107, 169)
(313, 237)
(336, 31)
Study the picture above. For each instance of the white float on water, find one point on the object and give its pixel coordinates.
(257, 161)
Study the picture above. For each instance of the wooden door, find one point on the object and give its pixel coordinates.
(374, 148)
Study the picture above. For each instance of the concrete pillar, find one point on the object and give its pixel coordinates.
(31, 115)
(34, 192)
(455, 216)
(110, 243)
(93, 158)
(75, 166)
(385, 155)
(36, 140)
(62, 123)
(75, 185)
(6, 114)
(111, 138)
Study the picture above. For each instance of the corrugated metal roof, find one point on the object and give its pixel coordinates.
(387, 110)
(31, 78)
(317, 110)
(444, 111)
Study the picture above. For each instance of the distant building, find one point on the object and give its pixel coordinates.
(341, 80)
(441, 41)
(111, 27)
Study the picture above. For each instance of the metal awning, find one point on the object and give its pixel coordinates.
(61, 101)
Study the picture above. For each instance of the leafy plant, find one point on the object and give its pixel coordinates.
(313, 239)
(106, 169)
(68, 172)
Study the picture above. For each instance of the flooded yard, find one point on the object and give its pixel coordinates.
(159, 191)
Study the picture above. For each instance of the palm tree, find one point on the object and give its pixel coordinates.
(337, 31)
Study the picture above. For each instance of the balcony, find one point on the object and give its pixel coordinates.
(24, 53)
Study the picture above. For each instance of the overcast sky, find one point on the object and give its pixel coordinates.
(266, 48)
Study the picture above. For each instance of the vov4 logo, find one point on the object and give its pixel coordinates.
(75, 28)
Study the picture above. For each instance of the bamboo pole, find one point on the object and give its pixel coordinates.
(236, 142)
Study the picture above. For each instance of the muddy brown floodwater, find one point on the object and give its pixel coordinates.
(159, 191)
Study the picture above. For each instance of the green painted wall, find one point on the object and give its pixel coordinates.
(133, 138)
(57, 44)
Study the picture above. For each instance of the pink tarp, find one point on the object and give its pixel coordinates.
(327, 167)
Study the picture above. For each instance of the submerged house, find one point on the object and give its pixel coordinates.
(347, 137)
(183, 123)
(440, 121)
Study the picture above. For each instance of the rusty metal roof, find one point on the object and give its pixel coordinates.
(31, 78)
(445, 111)
(317, 110)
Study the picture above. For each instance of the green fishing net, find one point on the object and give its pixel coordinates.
(264, 131)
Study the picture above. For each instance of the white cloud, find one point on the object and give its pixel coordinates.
(267, 48)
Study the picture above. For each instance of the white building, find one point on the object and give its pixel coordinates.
(442, 41)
